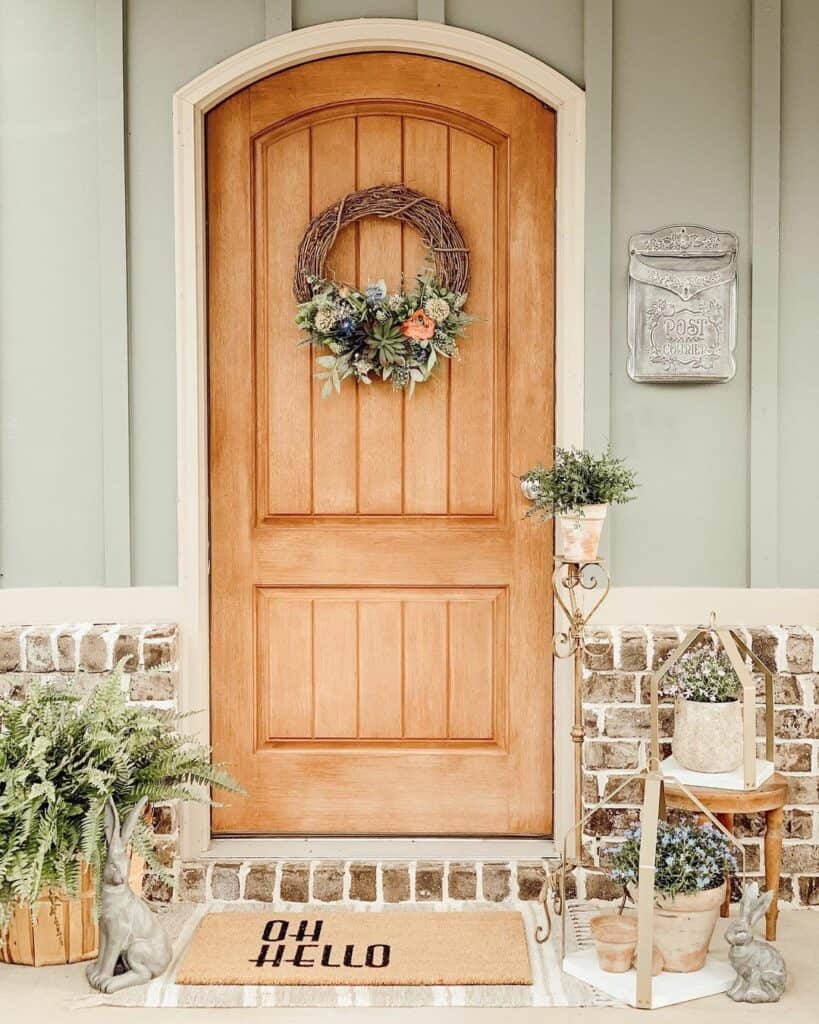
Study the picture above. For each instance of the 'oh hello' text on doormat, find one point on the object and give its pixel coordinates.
(378, 948)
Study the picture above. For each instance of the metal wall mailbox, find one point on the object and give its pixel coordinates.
(682, 311)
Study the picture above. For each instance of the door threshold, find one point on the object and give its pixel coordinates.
(381, 848)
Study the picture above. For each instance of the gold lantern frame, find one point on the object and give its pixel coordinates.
(737, 651)
(654, 806)
(652, 811)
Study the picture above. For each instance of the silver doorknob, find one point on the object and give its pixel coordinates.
(529, 489)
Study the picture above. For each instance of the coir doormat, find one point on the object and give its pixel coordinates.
(358, 949)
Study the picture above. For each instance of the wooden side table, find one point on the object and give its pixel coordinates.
(769, 800)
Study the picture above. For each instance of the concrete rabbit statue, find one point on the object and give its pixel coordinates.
(761, 971)
(128, 928)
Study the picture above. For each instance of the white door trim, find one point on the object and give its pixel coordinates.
(191, 103)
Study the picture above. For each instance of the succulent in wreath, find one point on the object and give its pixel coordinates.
(388, 342)
(371, 334)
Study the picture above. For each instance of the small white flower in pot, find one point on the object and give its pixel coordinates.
(577, 490)
(693, 864)
(707, 711)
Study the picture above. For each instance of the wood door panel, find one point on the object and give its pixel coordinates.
(283, 170)
(334, 424)
(367, 451)
(380, 610)
(380, 664)
(426, 481)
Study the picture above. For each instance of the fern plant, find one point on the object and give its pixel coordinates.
(62, 754)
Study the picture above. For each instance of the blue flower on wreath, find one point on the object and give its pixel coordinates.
(376, 292)
(345, 328)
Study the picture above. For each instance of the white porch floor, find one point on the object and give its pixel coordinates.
(49, 994)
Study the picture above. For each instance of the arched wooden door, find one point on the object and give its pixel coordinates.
(380, 612)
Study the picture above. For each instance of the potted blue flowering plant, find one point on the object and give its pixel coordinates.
(707, 712)
(693, 866)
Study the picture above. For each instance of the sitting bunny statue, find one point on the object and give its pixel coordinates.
(129, 930)
(761, 971)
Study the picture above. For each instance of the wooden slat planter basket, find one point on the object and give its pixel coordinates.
(63, 930)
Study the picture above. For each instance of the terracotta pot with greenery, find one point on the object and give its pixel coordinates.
(693, 863)
(62, 755)
(577, 491)
(707, 713)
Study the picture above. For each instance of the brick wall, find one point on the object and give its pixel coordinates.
(616, 711)
(616, 679)
(78, 656)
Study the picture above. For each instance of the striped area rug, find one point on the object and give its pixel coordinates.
(550, 987)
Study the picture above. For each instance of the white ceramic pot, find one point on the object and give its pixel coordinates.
(580, 533)
(684, 926)
(708, 737)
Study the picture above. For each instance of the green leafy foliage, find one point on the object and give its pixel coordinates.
(577, 478)
(62, 755)
(689, 858)
(370, 335)
(703, 674)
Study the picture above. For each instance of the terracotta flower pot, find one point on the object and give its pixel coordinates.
(708, 737)
(580, 532)
(616, 940)
(684, 926)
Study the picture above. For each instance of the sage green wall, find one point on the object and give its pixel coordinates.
(51, 452)
(670, 136)
(681, 152)
(798, 481)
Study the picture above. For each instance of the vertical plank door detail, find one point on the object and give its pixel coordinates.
(379, 605)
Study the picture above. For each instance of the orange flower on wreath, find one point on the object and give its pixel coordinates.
(419, 326)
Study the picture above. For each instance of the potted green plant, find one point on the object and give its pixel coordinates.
(707, 711)
(693, 863)
(62, 755)
(577, 489)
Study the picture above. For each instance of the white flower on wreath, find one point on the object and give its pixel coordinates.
(325, 319)
(395, 301)
(437, 308)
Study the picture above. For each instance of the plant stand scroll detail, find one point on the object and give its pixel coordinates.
(570, 580)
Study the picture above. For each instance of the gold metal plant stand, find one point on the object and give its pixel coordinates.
(570, 581)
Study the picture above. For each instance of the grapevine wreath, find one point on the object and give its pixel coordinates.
(373, 335)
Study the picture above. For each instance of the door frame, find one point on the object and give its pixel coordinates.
(190, 104)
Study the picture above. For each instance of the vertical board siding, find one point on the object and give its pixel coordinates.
(166, 45)
(278, 17)
(682, 440)
(765, 156)
(598, 25)
(343, 665)
(113, 292)
(798, 352)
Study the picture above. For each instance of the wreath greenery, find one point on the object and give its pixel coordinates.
(370, 335)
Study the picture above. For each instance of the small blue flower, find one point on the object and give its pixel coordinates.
(346, 327)
(376, 292)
